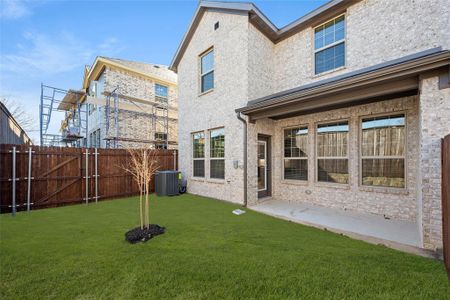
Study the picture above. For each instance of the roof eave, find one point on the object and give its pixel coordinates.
(201, 8)
(404, 69)
(258, 19)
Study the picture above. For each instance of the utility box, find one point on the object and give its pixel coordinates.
(167, 183)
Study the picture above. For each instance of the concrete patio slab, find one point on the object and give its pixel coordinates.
(401, 235)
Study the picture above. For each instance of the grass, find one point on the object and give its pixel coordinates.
(207, 253)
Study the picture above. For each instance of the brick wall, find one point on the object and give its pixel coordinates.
(137, 123)
(434, 114)
(394, 203)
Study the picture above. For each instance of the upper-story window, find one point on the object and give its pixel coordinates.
(329, 45)
(160, 136)
(207, 71)
(161, 93)
(96, 88)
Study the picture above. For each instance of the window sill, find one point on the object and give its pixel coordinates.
(205, 93)
(213, 180)
(339, 186)
(199, 179)
(384, 190)
(295, 182)
(329, 72)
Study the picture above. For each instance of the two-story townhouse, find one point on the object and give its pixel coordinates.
(127, 104)
(343, 108)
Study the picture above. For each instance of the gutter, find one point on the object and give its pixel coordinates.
(238, 115)
(406, 66)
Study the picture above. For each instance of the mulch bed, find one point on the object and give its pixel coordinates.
(137, 234)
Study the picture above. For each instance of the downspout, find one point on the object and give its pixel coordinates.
(238, 114)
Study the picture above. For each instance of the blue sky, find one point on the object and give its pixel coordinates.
(51, 41)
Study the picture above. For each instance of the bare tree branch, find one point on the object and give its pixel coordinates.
(25, 120)
(143, 166)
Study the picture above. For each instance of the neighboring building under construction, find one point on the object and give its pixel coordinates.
(122, 104)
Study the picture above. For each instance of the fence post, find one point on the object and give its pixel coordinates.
(29, 179)
(13, 181)
(87, 176)
(96, 175)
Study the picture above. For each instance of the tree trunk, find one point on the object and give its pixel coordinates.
(147, 219)
(140, 205)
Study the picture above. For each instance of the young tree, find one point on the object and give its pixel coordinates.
(143, 166)
(151, 165)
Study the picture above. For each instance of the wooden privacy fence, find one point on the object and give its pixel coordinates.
(446, 201)
(38, 177)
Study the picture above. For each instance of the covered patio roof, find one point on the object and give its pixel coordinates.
(395, 78)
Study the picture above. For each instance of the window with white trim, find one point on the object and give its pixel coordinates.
(198, 154)
(332, 152)
(207, 71)
(383, 145)
(329, 45)
(296, 153)
(161, 93)
(217, 153)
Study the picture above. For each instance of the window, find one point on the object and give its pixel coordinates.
(332, 154)
(160, 136)
(207, 71)
(329, 45)
(296, 153)
(383, 151)
(161, 146)
(91, 139)
(217, 153)
(96, 88)
(92, 108)
(161, 93)
(198, 154)
(94, 139)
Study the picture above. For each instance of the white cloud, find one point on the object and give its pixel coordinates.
(41, 53)
(14, 9)
(56, 59)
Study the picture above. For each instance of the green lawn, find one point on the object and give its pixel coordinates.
(206, 253)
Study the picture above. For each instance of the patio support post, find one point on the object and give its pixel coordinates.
(238, 114)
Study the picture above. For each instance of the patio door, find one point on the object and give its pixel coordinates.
(263, 165)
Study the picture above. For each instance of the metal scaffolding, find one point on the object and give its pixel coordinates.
(118, 108)
(157, 111)
(76, 121)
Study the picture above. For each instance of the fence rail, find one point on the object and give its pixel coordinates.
(55, 176)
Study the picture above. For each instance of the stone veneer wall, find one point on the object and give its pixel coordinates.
(137, 125)
(434, 117)
(376, 31)
(248, 66)
(201, 112)
(395, 203)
